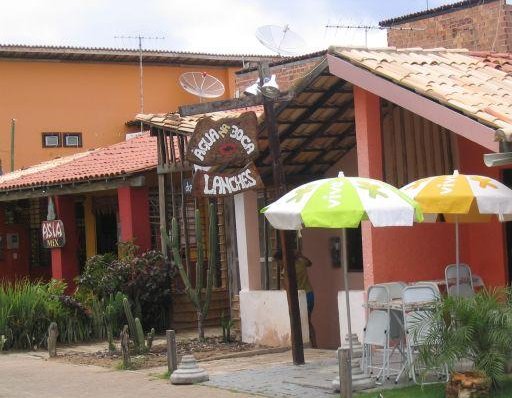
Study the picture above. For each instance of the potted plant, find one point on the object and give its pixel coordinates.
(477, 331)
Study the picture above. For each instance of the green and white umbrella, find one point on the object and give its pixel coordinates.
(343, 202)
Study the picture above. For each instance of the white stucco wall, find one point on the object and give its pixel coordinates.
(357, 313)
(265, 318)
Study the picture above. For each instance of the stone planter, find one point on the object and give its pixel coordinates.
(468, 385)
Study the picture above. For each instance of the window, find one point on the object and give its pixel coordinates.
(72, 139)
(68, 140)
(51, 140)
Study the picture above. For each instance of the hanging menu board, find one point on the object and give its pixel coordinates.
(223, 184)
(228, 141)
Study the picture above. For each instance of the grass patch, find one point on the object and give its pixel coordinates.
(163, 376)
(432, 391)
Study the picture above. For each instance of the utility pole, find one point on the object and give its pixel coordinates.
(286, 237)
(13, 131)
(141, 69)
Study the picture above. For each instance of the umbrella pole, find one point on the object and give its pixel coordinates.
(347, 303)
(457, 252)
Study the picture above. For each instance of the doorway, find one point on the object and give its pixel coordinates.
(106, 233)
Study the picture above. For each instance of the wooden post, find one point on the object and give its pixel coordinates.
(162, 208)
(285, 236)
(344, 370)
(172, 360)
(53, 333)
(125, 349)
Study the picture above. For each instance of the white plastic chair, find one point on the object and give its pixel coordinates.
(376, 334)
(416, 301)
(466, 288)
(382, 327)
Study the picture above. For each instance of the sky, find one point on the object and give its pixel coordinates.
(217, 26)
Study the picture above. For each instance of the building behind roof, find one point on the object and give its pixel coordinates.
(69, 99)
(483, 25)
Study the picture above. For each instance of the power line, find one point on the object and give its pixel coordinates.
(140, 38)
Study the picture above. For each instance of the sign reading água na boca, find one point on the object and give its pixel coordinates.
(208, 183)
(53, 234)
(228, 141)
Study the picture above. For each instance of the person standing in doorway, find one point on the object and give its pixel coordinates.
(302, 263)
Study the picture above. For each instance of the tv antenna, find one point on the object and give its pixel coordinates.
(140, 38)
(201, 84)
(367, 28)
(280, 39)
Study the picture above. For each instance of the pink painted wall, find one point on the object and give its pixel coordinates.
(423, 251)
(325, 279)
(483, 244)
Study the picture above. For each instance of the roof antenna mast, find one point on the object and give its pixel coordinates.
(140, 38)
(367, 28)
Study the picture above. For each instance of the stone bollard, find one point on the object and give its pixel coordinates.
(188, 372)
(53, 333)
(360, 381)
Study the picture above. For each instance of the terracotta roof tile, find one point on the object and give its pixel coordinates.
(471, 83)
(187, 124)
(128, 157)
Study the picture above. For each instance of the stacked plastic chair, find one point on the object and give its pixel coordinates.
(466, 288)
(382, 329)
(416, 300)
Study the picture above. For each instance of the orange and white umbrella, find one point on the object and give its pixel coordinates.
(461, 198)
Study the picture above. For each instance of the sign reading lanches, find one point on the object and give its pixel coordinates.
(220, 184)
(53, 234)
(228, 141)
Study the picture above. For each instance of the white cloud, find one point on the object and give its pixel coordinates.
(193, 25)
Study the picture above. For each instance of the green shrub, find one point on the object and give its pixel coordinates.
(478, 329)
(27, 309)
(144, 278)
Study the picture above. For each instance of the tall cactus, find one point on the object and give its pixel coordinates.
(200, 301)
(131, 321)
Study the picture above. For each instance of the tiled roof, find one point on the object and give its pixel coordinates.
(99, 54)
(432, 12)
(187, 124)
(500, 61)
(450, 77)
(122, 159)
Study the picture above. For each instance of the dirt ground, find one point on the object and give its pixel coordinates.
(213, 347)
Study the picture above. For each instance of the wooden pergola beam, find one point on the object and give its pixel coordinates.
(288, 131)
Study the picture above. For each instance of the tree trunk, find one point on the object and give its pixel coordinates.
(200, 325)
(468, 385)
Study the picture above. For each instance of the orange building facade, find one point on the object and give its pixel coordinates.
(90, 93)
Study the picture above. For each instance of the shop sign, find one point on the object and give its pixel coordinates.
(228, 141)
(53, 234)
(221, 184)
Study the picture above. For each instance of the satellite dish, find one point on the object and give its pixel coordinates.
(201, 84)
(280, 39)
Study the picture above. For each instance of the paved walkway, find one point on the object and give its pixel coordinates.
(30, 375)
(273, 375)
(26, 376)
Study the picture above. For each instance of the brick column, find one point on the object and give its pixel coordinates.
(65, 259)
(369, 163)
(134, 216)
